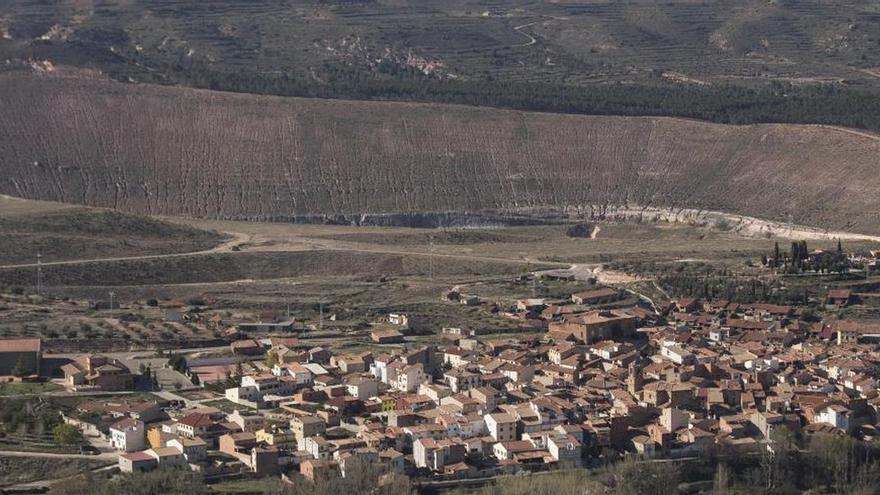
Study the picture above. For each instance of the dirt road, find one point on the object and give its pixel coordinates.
(532, 39)
(237, 241)
(16, 453)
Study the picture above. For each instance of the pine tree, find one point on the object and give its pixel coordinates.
(21, 368)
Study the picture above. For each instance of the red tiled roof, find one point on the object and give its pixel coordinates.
(124, 424)
(20, 345)
(196, 420)
(138, 456)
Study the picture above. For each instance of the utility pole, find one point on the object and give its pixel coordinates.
(112, 294)
(39, 273)
(320, 315)
(431, 254)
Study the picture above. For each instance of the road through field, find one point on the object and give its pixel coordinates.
(229, 246)
(53, 455)
(244, 239)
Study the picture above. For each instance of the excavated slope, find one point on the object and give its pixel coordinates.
(174, 151)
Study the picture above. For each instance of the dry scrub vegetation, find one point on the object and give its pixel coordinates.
(61, 232)
(229, 267)
(174, 151)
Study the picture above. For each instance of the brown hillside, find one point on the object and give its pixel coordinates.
(162, 150)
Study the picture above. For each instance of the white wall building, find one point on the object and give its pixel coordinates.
(128, 435)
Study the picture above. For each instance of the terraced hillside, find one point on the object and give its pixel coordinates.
(172, 151)
(570, 41)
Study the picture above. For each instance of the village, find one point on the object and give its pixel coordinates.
(603, 376)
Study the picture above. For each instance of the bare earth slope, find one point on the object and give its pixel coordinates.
(172, 151)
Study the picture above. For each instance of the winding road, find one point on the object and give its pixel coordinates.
(532, 39)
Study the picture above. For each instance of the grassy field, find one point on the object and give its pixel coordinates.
(27, 388)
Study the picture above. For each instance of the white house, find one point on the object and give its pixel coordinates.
(862, 384)
(501, 426)
(677, 354)
(269, 384)
(410, 377)
(379, 367)
(457, 357)
(460, 379)
(302, 376)
(240, 395)
(835, 415)
(399, 319)
(128, 435)
(318, 447)
(564, 448)
(719, 334)
(136, 462)
(361, 387)
(193, 449)
(167, 456)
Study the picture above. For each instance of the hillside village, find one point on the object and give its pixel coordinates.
(604, 376)
(461, 247)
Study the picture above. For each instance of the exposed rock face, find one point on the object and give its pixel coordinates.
(173, 151)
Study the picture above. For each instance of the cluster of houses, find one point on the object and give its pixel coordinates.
(602, 380)
(703, 375)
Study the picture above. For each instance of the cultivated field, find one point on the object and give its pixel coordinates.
(173, 151)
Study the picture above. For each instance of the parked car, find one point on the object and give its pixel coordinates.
(88, 450)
